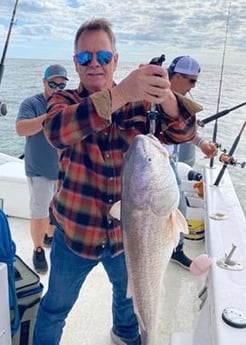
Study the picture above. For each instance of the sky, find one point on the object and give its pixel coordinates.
(207, 30)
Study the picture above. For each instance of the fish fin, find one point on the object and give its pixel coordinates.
(177, 223)
(115, 210)
(182, 222)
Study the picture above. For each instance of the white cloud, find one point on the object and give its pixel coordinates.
(143, 28)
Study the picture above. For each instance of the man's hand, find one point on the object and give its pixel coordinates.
(208, 148)
(149, 82)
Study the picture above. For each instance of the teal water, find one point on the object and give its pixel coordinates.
(23, 78)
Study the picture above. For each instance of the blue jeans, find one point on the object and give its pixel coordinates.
(68, 272)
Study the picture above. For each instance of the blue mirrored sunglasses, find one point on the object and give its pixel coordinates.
(54, 85)
(104, 57)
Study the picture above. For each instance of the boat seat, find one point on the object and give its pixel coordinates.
(14, 193)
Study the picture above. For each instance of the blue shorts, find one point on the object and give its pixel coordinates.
(41, 193)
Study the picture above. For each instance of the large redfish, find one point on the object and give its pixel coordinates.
(151, 224)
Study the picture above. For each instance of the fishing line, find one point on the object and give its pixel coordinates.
(221, 79)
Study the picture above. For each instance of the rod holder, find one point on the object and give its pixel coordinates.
(229, 264)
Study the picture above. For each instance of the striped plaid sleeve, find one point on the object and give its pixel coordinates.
(181, 129)
(71, 118)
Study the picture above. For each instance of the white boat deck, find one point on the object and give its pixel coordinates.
(182, 323)
(90, 320)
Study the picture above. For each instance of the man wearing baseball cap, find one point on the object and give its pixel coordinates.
(41, 161)
(183, 74)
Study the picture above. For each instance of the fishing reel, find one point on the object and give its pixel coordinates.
(227, 158)
(158, 60)
(3, 109)
(153, 113)
(230, 160)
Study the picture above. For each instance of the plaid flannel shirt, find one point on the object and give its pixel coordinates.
(91, 143)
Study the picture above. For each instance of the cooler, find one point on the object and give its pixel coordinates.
(5, 337)
(29, 291)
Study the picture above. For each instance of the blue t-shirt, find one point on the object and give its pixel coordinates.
(41, 158)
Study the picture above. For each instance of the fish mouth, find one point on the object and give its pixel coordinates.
(144, 143)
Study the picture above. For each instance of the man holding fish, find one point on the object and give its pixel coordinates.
(93, 126)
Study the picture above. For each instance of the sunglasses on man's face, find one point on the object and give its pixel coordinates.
(191, 80)
(54, 85)
(104, 57)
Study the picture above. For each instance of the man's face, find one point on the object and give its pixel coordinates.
(95, 76)
(53, 85)
(183, 83)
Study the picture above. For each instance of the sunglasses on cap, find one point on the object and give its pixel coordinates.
(191, 80)
(54, 85)
(104, 57)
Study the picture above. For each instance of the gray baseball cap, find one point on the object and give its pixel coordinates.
(54, 71)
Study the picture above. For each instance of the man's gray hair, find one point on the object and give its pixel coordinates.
(95, 25)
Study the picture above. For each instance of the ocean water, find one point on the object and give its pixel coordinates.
(23, 78)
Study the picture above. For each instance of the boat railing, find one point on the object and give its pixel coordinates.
(222, 318)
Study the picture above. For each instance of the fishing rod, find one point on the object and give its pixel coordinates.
(203, 122)
(3, 106)
(7, 41)
(228, 159)
(221, 80)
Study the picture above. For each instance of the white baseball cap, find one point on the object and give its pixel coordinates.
(184, 65)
